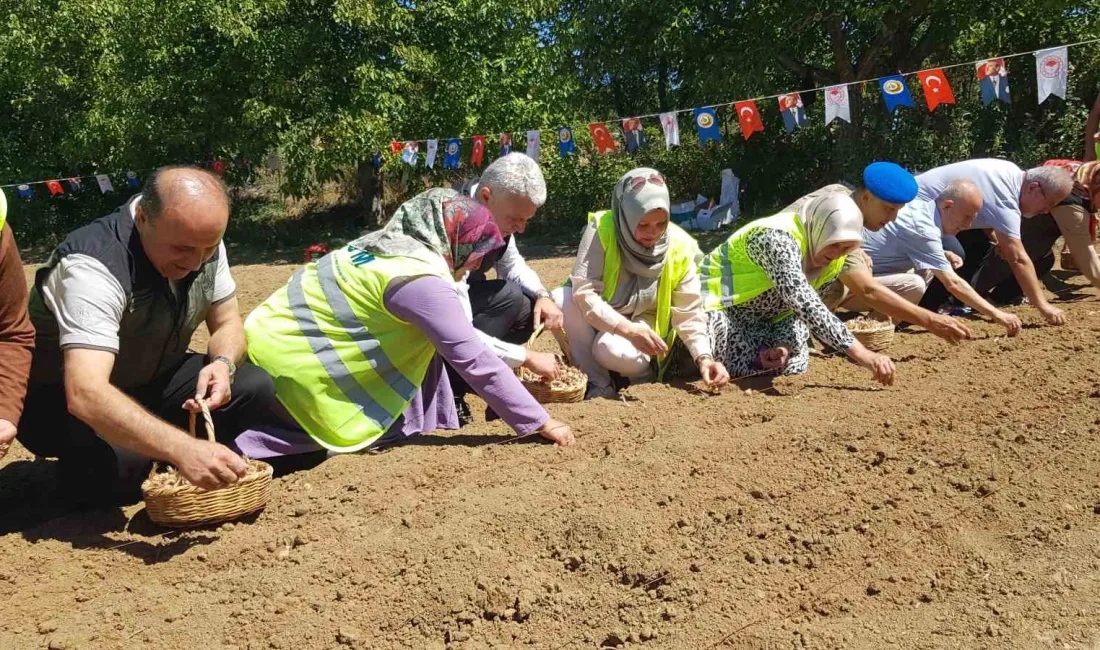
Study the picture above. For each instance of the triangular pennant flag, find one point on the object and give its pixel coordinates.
(895, 92)
(450, 160)
(55, 188)
(410, 153)
(794, 113)
(375, 160)
(706, 124)
(566, 145)
(936, 89)
(74, 184)
(671, 126)
(837, 104)
(395, 147)
(749, 118)
(505, 144)
(478, 154)
(24, 191)
(605, 144)
(533, 144)
(104, 182)
(633, 133)
(132, 180)
(433, 148)
(218, 167)
(1052, 72)
(993, 78)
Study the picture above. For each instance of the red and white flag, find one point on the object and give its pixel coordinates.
(936, 89)
(605, 144)
(749, 118)
(478, 154)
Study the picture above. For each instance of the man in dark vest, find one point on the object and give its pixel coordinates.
(112, 379)
(507, 309)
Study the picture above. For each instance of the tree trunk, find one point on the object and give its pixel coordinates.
(369, 181)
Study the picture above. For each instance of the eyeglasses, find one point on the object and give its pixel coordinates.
(638, 182)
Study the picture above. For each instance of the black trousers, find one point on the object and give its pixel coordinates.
(501, 310)
(994, 279)
(990, 275)
(92, 471)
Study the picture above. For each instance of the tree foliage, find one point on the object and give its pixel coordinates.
(109, 85)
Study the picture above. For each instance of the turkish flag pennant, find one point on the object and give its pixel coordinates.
(479, 151)
(602, 137)
(55, 188)
(219, 166)
(749, 117)
(936, 89)
(396, 147)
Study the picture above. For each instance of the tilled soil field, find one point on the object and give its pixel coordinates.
(959, 508)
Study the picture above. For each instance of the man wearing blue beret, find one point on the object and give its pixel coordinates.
(886, 188)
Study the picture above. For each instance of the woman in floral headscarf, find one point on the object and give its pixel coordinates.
(354, 341)
(634, 289)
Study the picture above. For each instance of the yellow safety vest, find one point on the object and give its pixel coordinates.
(729, 277)
(344, 367)
(3, 209)
(682, 253)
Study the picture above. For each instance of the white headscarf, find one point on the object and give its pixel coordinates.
(636, 194)
(828, 220)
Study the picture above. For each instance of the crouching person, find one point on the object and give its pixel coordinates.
(114, 310)
(356, 341)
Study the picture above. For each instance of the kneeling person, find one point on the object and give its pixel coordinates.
(908, 252)
(114, 310)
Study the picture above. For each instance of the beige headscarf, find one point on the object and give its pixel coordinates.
(828, 220)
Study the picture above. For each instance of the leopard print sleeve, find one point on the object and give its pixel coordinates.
(778, 254)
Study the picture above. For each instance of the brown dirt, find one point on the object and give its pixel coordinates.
(959, 508)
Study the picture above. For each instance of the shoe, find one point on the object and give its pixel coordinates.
(595, 392)
(465, 415)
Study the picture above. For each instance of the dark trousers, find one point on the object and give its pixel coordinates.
(501, 310)
(94, 472)
(994, 279)
(976, 248)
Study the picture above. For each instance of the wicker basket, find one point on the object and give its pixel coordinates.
(875, 335)
(569, 388)
(171, 501)
(1066, 261)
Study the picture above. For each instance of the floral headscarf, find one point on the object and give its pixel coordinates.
(439, 221)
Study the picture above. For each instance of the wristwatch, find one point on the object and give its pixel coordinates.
(229, 362)
(542, 293)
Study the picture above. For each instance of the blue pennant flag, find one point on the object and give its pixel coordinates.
(706, 123)
(895, 91)
(132, 180)
(450, 160)
(24, 191)
(566, 145)
(376, 160)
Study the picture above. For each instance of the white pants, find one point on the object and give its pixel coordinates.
(595, 352)
(910, 286)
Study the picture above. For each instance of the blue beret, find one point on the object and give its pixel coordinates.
(890, 182)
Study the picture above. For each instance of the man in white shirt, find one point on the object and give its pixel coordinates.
(1008, 195)
(114, 310)
(506, 310)
(909, 251)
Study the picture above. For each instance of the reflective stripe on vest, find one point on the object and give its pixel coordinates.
(3, 209)
(344, 366)
(682, 253)
(729, 277)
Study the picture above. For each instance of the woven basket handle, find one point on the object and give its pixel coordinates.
(537, 333)
(191, 425)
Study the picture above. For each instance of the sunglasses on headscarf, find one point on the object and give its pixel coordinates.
(638, 182)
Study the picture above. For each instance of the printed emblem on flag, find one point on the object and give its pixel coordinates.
(836, 96)
(23, 187)
(1052, 66)
(705, 120)
(893, 87)
(452, 148)
(565, 134)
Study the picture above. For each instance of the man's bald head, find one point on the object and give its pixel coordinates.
(181, 217)
(959, 204)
